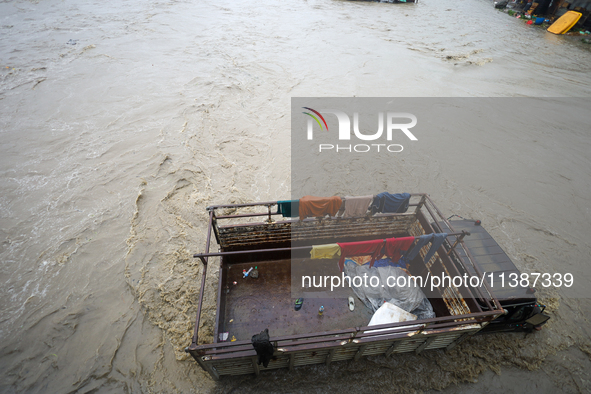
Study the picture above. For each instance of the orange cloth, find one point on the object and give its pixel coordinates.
(319, 206)
(360, 260)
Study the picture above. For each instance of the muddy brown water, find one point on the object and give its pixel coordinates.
(121, 122)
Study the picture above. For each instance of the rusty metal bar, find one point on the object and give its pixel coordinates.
(458, 240)
(216, 231)
(265, 203)
(246, 215)
(433, 216)
(309, 220)
(200, 255)
(216, 329)
(353, 332)
(204, 260)
(440, 215)
(277, 213)
(420, 330)
(334, 334)
(251, 204)
(306, 342)
(421, 203)
(328, 343)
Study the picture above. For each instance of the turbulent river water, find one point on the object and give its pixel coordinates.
(121, 121)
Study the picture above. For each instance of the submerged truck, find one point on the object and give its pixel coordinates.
(260, 235)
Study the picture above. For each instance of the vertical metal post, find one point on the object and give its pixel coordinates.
(209, 368)
(425, 344)
(421, 203)
(458, 240)
(204, 260)
(354, 334)
(392, 348)
(457, 341)
(360, 352)
(330, 355)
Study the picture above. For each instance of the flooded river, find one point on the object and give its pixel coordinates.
(121, 121)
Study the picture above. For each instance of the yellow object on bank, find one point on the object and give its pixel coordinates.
(565, 22)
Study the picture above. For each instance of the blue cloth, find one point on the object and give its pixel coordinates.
(382, 263)
(390, 203)
(388, 262)
(411, 254)
(436, 239)
(287, 207)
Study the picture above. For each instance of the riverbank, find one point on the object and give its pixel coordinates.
(527, 14)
